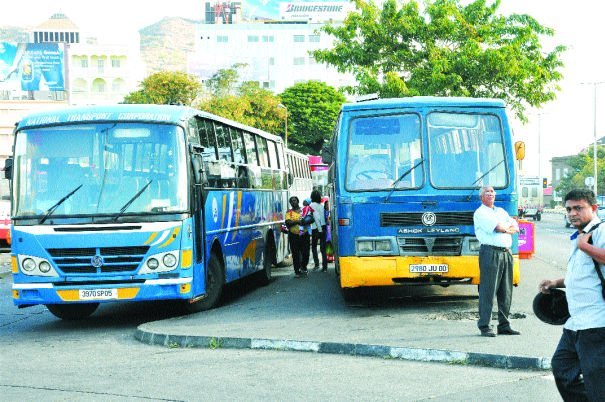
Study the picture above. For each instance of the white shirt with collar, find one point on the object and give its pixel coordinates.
(583, 287)
(486, 219)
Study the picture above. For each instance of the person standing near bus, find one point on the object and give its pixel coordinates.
(293, 223)
(319, 231)
(494, 229)
(578, 364)
(306, 234)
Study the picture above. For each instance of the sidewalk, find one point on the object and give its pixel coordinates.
(425, 325)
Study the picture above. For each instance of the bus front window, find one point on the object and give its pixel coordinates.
(466, 150)
(111, 163)
(381, 150)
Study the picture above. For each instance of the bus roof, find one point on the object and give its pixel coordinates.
(424, 101)
(168, 114)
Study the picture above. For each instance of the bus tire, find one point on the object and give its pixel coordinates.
(264, 276)
(72, 312)
(214, 288)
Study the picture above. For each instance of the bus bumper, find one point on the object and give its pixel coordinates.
(391, 271)
(30, 294)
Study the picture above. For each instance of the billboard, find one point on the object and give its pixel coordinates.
(32, 66)
(314, 11)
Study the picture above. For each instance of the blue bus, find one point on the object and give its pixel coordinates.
(141, 202)
(405, 176)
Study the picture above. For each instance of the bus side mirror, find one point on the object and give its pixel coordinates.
(326, 154)
(196, 161)
(8, 169)
(519, 150)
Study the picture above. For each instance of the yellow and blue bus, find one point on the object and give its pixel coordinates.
(405, 176)
(141, 202)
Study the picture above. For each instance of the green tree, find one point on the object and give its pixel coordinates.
(166, 87)
(582, 166)
(250, 105)
(222, 83)
(445, 49)
(313, 108)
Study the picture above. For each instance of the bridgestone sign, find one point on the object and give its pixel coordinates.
(315, 12)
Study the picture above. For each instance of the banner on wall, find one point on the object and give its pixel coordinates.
(32, 66)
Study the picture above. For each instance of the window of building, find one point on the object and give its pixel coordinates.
(314, 38)
(252, 38)
(84, 63)
(271, 61)
(222, 38)
(299, 61)
(268, 38)
(299, 38)
(115, 62)
(101, 65)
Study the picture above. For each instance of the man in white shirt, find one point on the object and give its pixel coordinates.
(578, 364)
(494, 229)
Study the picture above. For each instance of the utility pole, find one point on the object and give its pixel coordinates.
(594, 126)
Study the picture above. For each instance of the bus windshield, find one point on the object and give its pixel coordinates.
(381, 150)
(109, 169)
(466, 150)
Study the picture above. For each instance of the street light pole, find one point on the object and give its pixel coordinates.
(282, 106)
(594, 126)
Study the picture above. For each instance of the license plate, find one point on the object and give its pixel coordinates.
(98, 294)
(429, 268)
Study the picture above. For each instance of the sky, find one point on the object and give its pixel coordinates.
(559, 128)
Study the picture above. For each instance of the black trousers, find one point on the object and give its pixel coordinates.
(320, 237)
(578, 365)
(496, 276)
(295, 242)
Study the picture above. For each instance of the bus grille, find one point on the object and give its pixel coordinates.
(115, 259)
(424, 246)
(415, 219)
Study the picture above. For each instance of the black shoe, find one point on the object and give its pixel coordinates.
(316, 268)
(488, 332)
(508, 331)
(324, 269)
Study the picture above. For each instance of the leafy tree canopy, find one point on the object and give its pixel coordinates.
(223, 82)
(166, 87)
(313, 108)
(445, 49)
(582, 166)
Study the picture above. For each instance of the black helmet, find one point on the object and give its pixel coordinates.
(551, 308)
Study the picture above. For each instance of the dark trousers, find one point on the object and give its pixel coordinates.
(305, 244)
(578, 365)
(496, 276)
(295, 242)
(316, 236)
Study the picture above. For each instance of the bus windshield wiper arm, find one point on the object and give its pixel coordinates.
(130, 201)
(468, 198)
(52, 209)
(407, 172)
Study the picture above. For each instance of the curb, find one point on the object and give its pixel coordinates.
(352, 349)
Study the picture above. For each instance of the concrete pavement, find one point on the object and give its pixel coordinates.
(417, 324)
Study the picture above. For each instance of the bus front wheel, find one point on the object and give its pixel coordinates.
(214, 287)
(72, 311)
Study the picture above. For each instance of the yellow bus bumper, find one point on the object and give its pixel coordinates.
(389, 271)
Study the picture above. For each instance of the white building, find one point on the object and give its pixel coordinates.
(276, 53)
(96, 72)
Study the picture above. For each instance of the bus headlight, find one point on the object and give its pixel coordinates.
(169, 260)
(474, 245)
(153, 264)
(375, 246)
(28, 265)
(44, 267)
(161, 262)
(35, 266)
(382, 245)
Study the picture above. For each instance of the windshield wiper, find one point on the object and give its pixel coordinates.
(52, 209)
(130, 201)
(407, 172)
(468, 198)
